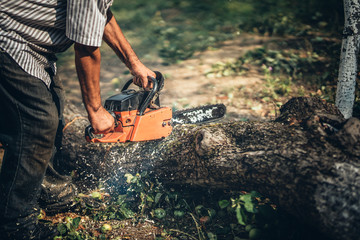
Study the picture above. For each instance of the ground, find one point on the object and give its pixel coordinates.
(187, 84)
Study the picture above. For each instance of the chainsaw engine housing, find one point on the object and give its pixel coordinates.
(127, 100)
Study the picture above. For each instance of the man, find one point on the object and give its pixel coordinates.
(31, 101)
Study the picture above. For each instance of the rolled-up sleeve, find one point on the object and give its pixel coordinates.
(86, 20)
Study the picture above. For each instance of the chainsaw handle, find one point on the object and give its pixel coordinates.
(159, 77)
(158, 84)
(89, 131)
(149, 97)
(89, 135)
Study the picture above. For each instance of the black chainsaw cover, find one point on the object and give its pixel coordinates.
(127, 100)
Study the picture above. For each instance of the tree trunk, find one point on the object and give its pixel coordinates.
(345, 95)
(307, 161)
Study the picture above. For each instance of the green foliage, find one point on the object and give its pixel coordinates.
(68, 230)
(246, 215)
(188, 214)
(312, 62)
(298, 17)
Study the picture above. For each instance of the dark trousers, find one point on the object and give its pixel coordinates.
(29, 122)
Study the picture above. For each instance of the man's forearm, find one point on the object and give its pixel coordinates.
(87, 60)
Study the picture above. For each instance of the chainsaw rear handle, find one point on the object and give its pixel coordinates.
(158, 84)
(89, 131)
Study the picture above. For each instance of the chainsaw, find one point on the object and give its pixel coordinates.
(139, 117)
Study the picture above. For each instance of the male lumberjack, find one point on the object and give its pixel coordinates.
(31, 100)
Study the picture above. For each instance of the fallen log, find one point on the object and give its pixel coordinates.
(307, 161)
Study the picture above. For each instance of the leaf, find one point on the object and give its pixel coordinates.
(157, 197)
(129, 177)
(179, 213)
(121, 199)
(149, 198)
(211, 236)
(246, 198)
(126, 212)
(240, 215)
(61, 229)
(76, 222)
(198, 209)
(160, 213)
(211, 213)
(250, 207)
(223, 203)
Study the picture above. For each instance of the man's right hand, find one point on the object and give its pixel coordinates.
(102, 121)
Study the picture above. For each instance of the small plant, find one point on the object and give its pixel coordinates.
(275, 86)
(68, 229)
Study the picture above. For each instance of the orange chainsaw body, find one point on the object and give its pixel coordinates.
(137, 114)
(154, 124)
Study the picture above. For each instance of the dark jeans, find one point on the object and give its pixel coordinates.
(29, 122)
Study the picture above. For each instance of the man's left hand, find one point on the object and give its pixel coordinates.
(141, 74)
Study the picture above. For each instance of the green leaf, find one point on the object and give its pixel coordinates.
(126, 212)
(62, 229)
(68, 225)
(76, 222)
(250, 207)
(198, 209)
(121, 199)
(179, 213)
(224, 203)
(149, 198)
(246, 198)
(211, 236)
(157, 197)
(129, 177)
(211, 213)
(240, 215)
(160, 213)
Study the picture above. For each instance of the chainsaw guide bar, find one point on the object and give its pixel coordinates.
(199, 115)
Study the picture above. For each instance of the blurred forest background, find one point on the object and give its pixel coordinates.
(299, 52)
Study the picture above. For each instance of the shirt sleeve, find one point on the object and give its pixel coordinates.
(86, 20)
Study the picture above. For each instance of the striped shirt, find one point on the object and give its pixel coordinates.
(33, 31)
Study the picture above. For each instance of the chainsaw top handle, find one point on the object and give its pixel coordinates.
(159, 78)
(158, 84)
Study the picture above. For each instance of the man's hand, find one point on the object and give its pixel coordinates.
(102, 121)
(141, 74)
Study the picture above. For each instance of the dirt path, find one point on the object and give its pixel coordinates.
(187, 84)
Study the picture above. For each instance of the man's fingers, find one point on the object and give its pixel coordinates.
(136, 81)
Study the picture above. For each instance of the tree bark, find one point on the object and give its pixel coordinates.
(345, 95)
(307, 161)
